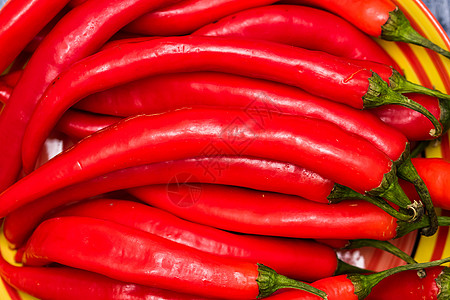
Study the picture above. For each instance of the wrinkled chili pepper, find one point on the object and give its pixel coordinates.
(354, 286)
(258, 59)
(257, 212)
(187, 133)
(55, 283)
(378, 18)
(21, 20)
(413, 125)
(296, 258)
(186, 16)
(135, 256)
(81, 32)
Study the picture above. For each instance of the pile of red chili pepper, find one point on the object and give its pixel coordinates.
(214, 149)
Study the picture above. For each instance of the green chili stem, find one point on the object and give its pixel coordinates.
(345, 268)
(269, 282)
(382, 245)
(398, 29)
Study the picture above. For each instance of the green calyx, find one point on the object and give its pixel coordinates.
(270, 281)
(399, 84)
(443, 282)
(397, 28)
(408, 172)
(364, 283)
(379, 93)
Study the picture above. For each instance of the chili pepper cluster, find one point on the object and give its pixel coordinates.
(215, 150)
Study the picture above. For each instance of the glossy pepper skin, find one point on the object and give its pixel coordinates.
(187, 133)
(257, 212)
(132, 255)
(186, 16)
(228, 170)
(435, 172)
(81, 32)
(296, 258)
(21, 20)
(55, 283)
(258, 97)
(300, 26)
(299, 67)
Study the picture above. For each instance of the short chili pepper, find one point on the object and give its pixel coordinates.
(300, 26)
(307, 69)
(257, 212)
(55, 283)
(355, 286)
(21, 20)
(408, 285)
(189, 132)
(378, 18)
(135, 256)
(78, 34)
(435, 172)
(186, 16)
(296, 258)
(413, 125)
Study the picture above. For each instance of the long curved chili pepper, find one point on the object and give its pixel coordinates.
(55, 283)
(413, 125)
(21, 20)
(186, 16)
(78, 125)
(81, 32)
(297, 26)
(257, 212)
(408, 285)
(307, 69)
(5, 93)
(300, 26)
(189, 132)
(131, 255)
(356, 286)
(295, 258)
(435, 172)
(258, 97)
(380, 18)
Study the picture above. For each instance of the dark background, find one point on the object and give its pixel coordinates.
(440, 8)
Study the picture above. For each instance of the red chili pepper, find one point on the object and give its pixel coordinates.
(435, 172)
(131, 255)
(354, 287)
(300, 26)
(266, 175)
(55, 283)
(258, 97)
(256, 212)
(378, 18)
(21, 20)
(78, 124)
(11, 78)
(79, 33)
(307, 69)
(187, 133)
(5, 93)
(186, 16)
(413, 125)
(296, 258)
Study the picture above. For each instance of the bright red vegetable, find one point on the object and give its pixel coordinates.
(256, 212)
(78, 34)
(307, 69)
(131, 255)
(378, 18)
(413, 125)
(296, 258)
(187, 133)
(56, 283)
(21, 20)
(188, 15)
